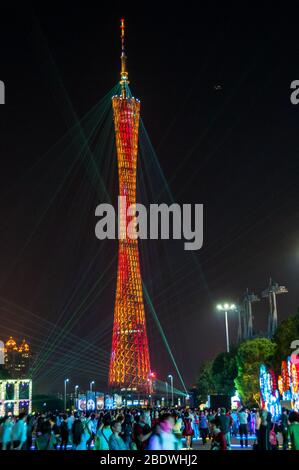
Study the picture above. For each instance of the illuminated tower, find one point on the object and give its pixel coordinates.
(130, 363)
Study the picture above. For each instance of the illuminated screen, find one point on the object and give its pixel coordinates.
(24, 391)
(9, 391)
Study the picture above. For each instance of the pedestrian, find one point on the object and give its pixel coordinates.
(294, 430)
(196, 425)
(141, 431)
(266, 419)
(6, 432)
(19, 432)
(29, 431)
(164, 437)
(203, 427)
(284, 426)
(224, 426)
(77, 431)
(64, 433)
(178, 426)
(188, 431)
(127, 431)
(103, 434)
(218, 441)
(243, 428)
(45, 440)
(115, 441)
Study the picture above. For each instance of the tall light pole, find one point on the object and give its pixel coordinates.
(171, 384)
(226, 308)
(166, 388)
(76, 394)
(90, 385)
(65, 382)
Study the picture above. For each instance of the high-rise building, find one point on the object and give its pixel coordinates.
(130, 362)
(16, 358)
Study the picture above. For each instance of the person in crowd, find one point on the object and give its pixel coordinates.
(284, 424)
(115, 441)
(77, 432)
(235, 423)
(64, 433)
(257, 424)
(6, 432)
(218, 441)
(29, 431)
(46, 439)
(263, 435)
(188, 431)
(252, 422)
(155, 419)
(203, 427)
(142, 431)
(210, 417)
(127, 430)
(196, 425)
(243, 428)
(19, 432)
(91, 425)
(55, 430)
(164, 437)
(86, 434)
(178, 426)
(273, 435)
(294, 430)
(103, 434)
(70, 422)
(224, 425)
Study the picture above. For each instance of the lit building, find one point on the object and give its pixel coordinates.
(130, 362)
(17, 358)
(15, 396)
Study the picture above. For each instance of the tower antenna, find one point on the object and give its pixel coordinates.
(124, 76)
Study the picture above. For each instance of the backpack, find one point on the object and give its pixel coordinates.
(272, 436)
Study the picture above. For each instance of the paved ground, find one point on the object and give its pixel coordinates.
(235, 444)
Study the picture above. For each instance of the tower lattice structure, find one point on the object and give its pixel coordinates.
(130, 362)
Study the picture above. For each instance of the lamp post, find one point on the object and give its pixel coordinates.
(171, 384)
(226, 308)
(90, 385)
(76, 394)
(166, 388)
(65, 382)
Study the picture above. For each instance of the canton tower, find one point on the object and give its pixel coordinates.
(130, 362)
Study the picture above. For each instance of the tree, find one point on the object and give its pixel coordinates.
(250, 355)
(224, 371)
(205, 384)
(287, 331)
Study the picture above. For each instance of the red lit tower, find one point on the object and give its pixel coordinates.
(130, 363)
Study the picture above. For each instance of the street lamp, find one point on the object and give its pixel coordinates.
(225, 308)
(166, 388)
(171, 383)
(65, 382)
(90, 385)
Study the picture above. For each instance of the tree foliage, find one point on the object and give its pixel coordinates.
(205, 384)
(250, 355)
(224, 371)
(286, 333)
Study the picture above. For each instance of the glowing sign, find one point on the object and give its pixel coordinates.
(295, 378)
(280, 385)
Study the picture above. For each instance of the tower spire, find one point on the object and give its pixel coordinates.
(124, 76)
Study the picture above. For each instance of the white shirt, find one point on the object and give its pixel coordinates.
(163, 441)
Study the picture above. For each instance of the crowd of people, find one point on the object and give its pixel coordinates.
(154, 429)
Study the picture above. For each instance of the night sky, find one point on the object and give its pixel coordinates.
(214, 85)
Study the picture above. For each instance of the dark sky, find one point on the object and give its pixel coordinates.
(233, 148)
